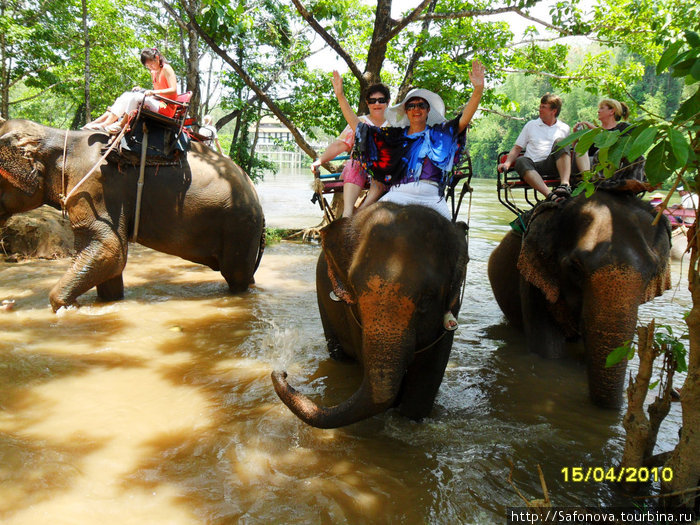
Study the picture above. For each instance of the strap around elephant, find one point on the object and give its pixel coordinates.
(115, 141)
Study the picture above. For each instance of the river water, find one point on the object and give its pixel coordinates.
(159, 409)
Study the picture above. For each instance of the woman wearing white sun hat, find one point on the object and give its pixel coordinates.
(415, 155)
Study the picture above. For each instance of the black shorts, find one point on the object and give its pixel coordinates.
(547, 168)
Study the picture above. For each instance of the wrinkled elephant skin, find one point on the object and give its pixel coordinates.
(205, 210)
(582, 269)
(397, 270)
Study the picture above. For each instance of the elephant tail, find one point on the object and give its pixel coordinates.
(358, 407)
(261, 249)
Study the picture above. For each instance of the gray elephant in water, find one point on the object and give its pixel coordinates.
(582, 269)
(204, 210)
(396, 270)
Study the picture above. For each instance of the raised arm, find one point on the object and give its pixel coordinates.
(348, 113)
(477, 78)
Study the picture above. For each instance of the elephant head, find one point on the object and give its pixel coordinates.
(21, 170)
(397, 270)
(586, 266)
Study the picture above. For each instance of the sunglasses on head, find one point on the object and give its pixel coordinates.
(378, 100)
(419, 105)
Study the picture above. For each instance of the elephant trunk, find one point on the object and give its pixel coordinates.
(384, 369)
(356, 408)
(609, 316)
(388, 343)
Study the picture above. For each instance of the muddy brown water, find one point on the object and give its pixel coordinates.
(159, 408)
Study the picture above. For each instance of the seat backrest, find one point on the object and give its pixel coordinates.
(177, 110)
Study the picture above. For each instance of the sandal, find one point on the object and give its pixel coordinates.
(449, 322)
(559, 194)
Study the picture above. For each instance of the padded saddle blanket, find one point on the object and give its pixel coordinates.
(166, 145)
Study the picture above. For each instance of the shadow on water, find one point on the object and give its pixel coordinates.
(39, 468)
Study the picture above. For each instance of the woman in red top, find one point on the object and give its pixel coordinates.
(164, 84)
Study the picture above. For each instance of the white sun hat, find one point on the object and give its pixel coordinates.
(396, 115)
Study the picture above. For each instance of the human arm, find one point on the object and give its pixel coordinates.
(351, 117)
(477, 78)
(585, 124)
(510, 159)
(332, 151)
(218, 145)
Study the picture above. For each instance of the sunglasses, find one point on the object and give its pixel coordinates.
(419, 105)
(379, 100)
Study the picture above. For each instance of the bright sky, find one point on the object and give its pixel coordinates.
(328, 60)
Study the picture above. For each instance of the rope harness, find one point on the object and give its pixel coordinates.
(64, 199)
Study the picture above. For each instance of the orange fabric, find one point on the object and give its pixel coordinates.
(161, 82)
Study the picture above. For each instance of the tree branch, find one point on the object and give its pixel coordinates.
(298, 137)
(332, 42)
(535, 72)
(403, 22)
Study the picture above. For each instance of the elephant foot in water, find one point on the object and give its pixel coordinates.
(111, 290)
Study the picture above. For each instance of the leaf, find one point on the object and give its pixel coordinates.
(586, 141)
(695, 70)
(605, 140)
(668, 56)
(617, 355)
(652, 386)
(642, 143)
(688, 109)
(692, 38)
(679, 145)
(656, 168)
(572, 138)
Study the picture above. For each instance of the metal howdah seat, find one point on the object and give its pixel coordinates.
(510, 180)
(331, 183)
(173, 114)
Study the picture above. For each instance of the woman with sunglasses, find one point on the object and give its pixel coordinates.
(164, 84)
(353, 175)
(415, 156)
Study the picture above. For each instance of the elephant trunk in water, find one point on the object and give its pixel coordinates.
(388, 343)
(611, 299)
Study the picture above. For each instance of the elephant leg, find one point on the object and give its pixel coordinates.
(112, 289)
(423, 379)
(543, 334)
(99, 259)
(334, 347)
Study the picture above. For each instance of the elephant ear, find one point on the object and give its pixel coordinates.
(339, 241)
(17, 161)
(537, 261)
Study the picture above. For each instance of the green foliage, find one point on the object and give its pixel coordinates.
(672, 145)
(664, 343)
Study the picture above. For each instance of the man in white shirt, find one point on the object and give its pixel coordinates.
(542, 157)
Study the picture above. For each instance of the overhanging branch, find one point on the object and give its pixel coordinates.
(332, 42)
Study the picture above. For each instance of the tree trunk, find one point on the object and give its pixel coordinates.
(255, 140)
(685, 460)
(417, 54)
(193, 65)
(635, 422)
(86, 40)
(4, 70)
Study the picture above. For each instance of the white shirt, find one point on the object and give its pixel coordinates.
(537, 138)
(690, 201)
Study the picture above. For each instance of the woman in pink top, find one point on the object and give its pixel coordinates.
(164, 84)
(354, 177)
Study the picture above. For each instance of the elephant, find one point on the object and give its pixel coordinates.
(204, 210)
(395, 271)
(581, 270)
